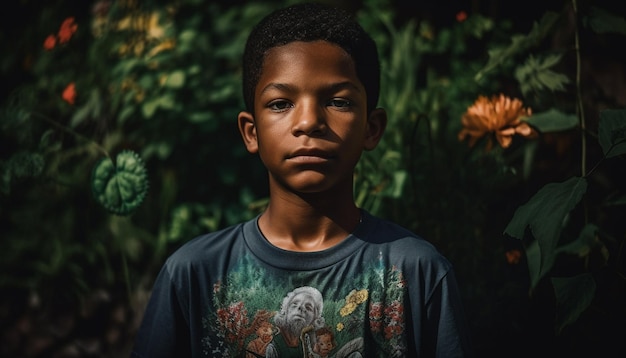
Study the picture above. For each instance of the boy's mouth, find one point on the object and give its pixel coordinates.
(310, 155)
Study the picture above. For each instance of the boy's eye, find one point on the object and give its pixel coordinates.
(340, 103)
(280, 106)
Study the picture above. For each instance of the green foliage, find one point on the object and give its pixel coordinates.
(573, 296)
(544, 215)
(548, 213)
(536, 75)
(120, 187)
(161, 88)
(552, 120)
(612, 132)
(602, 21)
(520, 43)
(20, 165)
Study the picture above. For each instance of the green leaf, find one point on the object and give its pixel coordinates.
(583, 244)
(176, 79)
(520, 43)
(535, 75)
(23, 164)
(120, 188)
(396, 188)
(552, 120)
(149, 107)
(167, 101)
(544, 214)
(612, 132)
(602, 21)
(126, 112)
(573, 297)
(91, 109)
(200, 117)
(533, 257)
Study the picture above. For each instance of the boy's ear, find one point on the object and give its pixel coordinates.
(377, 122)
(247, 129)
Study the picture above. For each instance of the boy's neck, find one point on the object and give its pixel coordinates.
(297, 223)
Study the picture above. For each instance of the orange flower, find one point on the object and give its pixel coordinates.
(50, 42)
(69, 93)
(500, 116)
(68, 28)
(461, 16)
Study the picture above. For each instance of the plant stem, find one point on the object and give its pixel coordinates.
(579, 105)
(72, 132)
(579, 100)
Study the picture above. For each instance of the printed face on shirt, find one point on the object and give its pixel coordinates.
(265, 332)
(324, 344)
(301, 309)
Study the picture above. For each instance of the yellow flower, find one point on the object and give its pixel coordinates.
(500, 116)
(361, 296)
(347, 309)
(351, 297)
(340, 327)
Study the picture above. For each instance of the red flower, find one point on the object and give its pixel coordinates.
(69, 93)
(68, 28)
(513, 256)
(461, 16)
(50, 42)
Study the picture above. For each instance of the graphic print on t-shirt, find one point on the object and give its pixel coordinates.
(258, 314)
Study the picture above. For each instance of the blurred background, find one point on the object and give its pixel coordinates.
(118, 144)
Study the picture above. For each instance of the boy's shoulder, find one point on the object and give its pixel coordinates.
(381, 230)
(206, 245)
(402, 241)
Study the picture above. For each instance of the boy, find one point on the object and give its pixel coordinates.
(313, 258)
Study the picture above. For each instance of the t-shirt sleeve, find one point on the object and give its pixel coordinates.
(164, 331)
(446, 323)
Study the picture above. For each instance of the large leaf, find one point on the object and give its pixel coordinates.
(612, 132)
(544, 214)
(552, 120)
(120, 187)
(573, 297)
(533, 257)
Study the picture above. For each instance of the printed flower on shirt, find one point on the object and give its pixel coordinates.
(353, 300)
(233, 321)
(499, 116)
(386, 313)
(350, 319)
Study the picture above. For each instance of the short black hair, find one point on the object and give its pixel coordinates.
(311, 22)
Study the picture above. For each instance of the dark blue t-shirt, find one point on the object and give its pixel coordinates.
(381, 292)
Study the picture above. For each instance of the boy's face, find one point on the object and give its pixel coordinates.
(310, 122)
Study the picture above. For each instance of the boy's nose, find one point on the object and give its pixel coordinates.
(309, 120)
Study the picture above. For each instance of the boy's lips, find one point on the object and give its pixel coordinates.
(310, 155)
